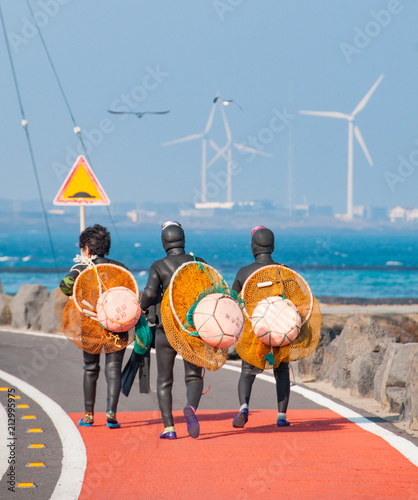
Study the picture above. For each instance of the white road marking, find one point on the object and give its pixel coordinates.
(74, 459)
(405, 447)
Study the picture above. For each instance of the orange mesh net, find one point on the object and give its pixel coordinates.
(79, 319)
(279, 281)
(187, 283)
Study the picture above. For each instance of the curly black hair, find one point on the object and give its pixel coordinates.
(97, 238)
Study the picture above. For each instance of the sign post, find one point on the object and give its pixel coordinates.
(81, 188)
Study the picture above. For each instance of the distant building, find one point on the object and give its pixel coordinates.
(301, 210)
(397, 214)
(359, 211)
(138, 216)
(320, 210)
(412, 215)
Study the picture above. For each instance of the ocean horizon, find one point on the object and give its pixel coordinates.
(335, 264)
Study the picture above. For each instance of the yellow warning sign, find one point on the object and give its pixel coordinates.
(81, 187)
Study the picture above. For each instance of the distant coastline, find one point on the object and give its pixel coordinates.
(367, 302)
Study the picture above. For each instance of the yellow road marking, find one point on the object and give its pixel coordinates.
(35, 464)
(28, 417)
(36, 445)
(4, 388)
(35, 430)
(23, 406)
(26, 485)
(15, 397)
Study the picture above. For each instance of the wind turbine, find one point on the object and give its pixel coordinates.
(224, 152)
(351, 128)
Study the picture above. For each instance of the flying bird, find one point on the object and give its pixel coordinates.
(139, 114)
(226, 102)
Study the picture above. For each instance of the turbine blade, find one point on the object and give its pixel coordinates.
(184, 139)
(252, 150)
(360, 140)
(366, 98)
(328, 114)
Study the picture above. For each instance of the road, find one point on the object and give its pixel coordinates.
(329, 451)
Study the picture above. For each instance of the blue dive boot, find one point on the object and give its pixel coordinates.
(169, 433)
(193, 427)
(112, 423)
(87, 420)
(281, 420)
(241, 419)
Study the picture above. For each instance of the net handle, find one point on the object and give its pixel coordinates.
(278, 267)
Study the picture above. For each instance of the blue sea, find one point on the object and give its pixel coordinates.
(336, 264)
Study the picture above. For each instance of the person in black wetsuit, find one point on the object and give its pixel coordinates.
(262, 246)
(94, 243)
(160, 273)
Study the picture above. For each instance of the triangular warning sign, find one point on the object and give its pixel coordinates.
(81, 187)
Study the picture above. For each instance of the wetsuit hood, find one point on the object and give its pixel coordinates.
(262, 241)
(172, 236)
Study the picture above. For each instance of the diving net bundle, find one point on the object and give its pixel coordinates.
(201, 315)
(283, 318)
(102, 313)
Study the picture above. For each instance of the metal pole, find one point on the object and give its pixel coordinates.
(350, 172)
(82, 218)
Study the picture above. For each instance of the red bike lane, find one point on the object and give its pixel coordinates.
(321, 455)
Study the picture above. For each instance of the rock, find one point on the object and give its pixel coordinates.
(412, 389)
(362, 374)
(313, 365)
(51, 313)
(5, 311)
(360, 335)
(330, 358)
(26, 306)
(391, 377)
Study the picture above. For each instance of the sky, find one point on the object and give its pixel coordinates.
(273, 58)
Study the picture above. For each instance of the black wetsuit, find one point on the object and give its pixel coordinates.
(159, 278)
(248, 371)
(92, 361)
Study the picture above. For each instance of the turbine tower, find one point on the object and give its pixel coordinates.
(351, 129)
(225, 152)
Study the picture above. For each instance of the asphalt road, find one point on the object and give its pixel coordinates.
(54, 366)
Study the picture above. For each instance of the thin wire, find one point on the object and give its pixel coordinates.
(73, 118)
(25, 125)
